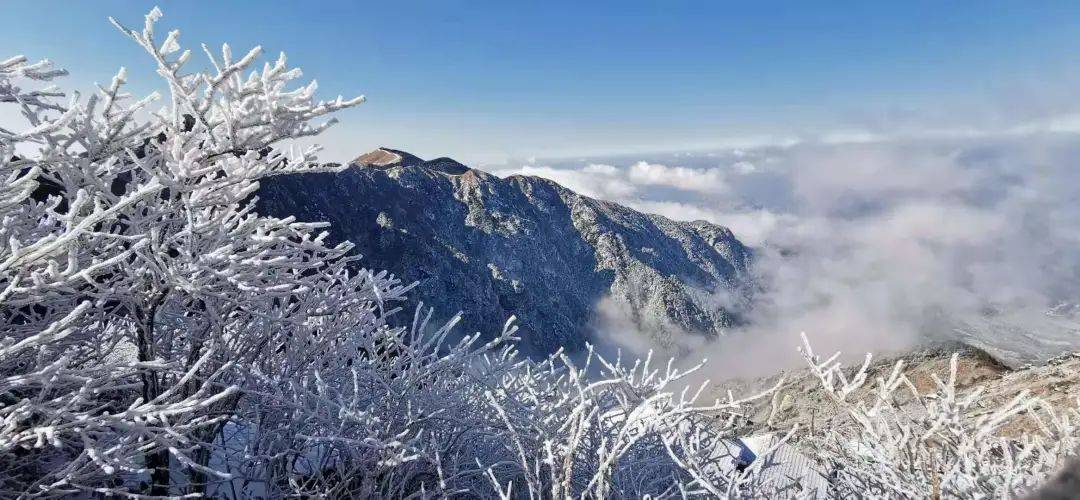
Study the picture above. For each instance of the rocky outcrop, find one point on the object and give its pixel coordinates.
(563, 263)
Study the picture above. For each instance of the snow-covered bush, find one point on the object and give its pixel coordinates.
(629, 431)
(139, 290)
(904, 442)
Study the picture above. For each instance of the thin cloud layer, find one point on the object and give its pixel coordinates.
(879, 245)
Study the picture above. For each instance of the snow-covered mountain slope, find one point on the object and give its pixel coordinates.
(568, 266)
(802, 401)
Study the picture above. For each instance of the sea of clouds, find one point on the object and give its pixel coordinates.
(876, 244)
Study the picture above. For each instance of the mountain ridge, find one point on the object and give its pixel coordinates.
(570, 267)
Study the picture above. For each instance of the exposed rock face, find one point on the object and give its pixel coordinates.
(524, 246)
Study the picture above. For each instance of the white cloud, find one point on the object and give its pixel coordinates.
(600, 168)
(710, 180)
(744, 167)
(875, 246)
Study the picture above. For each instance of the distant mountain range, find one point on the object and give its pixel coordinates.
(568, 266)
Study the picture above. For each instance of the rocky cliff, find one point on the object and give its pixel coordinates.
(566, 265)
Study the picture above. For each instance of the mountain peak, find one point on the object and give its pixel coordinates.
(384, 158)
(446, 166)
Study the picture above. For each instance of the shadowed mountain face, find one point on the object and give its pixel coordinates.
(566, 265)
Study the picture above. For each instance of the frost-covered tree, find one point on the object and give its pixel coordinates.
(71, 418)
(138, 286)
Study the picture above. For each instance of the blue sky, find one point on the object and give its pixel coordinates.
(491, 81)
